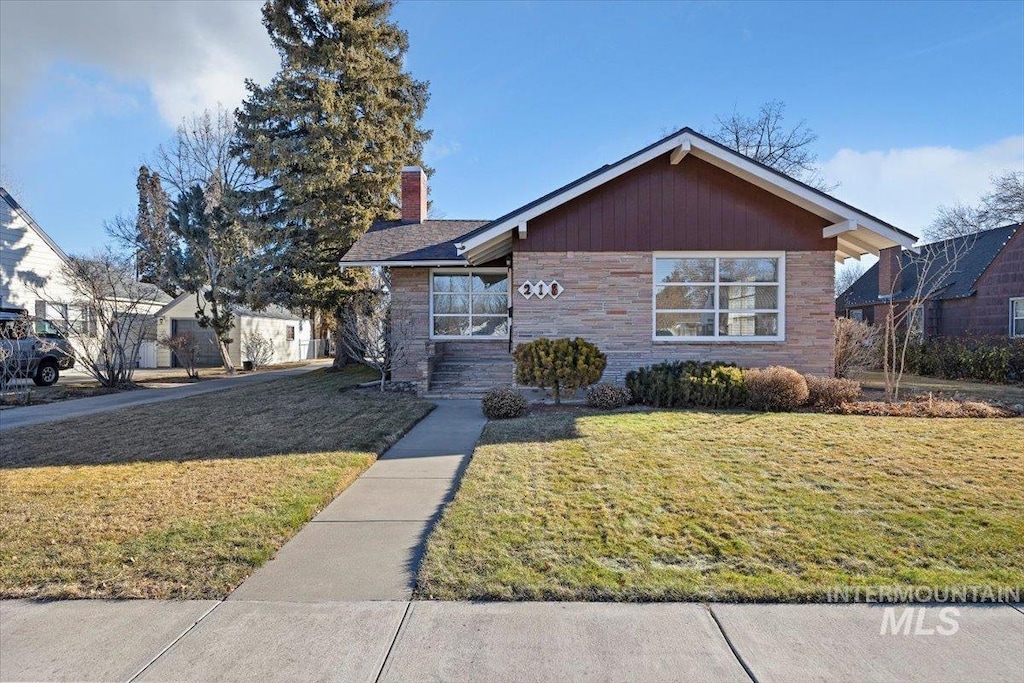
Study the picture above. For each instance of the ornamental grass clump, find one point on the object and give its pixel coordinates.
(562, 366)
(775, 389)
(683, 384)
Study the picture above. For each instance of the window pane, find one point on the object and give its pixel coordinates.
(748, 270)
(451, 326)
(685, 324)
(679, 296)
(1018, 308)
(748, 297)
(748, 324)
(684, 270)
(490, 282)
(451, 283)
(494, 304)
(451, 303)
(490, 326)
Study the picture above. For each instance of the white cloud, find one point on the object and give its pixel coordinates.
(191, 55)
(906, 186)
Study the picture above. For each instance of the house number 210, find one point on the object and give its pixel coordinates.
(540, 289)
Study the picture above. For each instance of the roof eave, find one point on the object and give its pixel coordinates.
(431, 263)
(867, 234)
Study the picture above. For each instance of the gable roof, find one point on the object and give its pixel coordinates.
(858, 232)
(18, 209)
(271, 311)
(978, 252)
(431, 242)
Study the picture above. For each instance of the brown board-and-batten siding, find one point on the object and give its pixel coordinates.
(692, 206)
(599, 247)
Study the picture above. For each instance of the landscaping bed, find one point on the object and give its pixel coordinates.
(183, 499)
(698, 505)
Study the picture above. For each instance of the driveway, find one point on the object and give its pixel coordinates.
(51, 412)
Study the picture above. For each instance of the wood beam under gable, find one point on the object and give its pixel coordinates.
(679, 152)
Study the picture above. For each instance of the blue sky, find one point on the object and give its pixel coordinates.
(915, 104)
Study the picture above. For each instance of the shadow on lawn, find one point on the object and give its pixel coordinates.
(293, 416)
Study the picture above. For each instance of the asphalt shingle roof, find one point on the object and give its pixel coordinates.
(956, 284)
(397, 241)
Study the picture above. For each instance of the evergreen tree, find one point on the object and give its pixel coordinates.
(150, 240)
(328, 137)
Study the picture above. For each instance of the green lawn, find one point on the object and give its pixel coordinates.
(183, 499)
(730, 506)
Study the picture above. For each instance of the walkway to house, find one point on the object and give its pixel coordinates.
(13, 418)
(366, 545)
(334, 605)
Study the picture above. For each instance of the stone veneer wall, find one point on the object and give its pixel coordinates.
(607, 300)
(411, 287)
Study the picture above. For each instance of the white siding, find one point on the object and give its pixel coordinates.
(30, 269)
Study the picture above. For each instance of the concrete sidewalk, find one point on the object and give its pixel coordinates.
(368, 641)
(366, 545)
(13, 418)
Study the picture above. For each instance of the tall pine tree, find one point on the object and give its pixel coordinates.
(151, 240)
(328, 137)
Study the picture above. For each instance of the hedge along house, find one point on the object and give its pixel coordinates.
(682, 250)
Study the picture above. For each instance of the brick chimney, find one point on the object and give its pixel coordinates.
(890, 277)
(414, 195)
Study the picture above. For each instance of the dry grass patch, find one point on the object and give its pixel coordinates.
(730, 506)
(183, 499)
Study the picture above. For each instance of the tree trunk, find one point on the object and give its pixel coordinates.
(225, 357)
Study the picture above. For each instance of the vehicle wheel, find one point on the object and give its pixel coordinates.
(47, 374)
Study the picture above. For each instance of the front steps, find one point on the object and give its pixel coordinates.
(470, 376)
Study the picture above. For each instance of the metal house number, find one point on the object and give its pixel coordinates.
(540, 289)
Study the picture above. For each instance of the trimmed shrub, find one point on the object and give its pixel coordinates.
(559, 365)
(503, 403)
(831, 392)
(608, 396)
(989, 359)
(775, 389)
(856, 346)
(688, 384)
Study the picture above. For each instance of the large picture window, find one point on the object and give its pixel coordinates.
(707, 297)
(469, 303)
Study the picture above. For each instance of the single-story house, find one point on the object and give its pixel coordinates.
(32, 277)
(982, 295)
(290, 334)
(684, 249)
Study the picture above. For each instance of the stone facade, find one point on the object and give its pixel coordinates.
(411, 303)
(607, 300)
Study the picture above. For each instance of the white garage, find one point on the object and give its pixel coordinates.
(290, 334)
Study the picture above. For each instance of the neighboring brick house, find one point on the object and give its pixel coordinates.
(982, 295)
(682, 250)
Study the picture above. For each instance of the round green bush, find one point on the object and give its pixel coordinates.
(775, 389)
(562, 366)
(608, 396)
(503, 403)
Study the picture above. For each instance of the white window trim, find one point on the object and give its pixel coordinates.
(780, 255)
(468, 271)
(1013, 301)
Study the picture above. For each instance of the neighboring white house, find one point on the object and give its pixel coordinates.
(31, 276)
(30, 263)
(290, 334)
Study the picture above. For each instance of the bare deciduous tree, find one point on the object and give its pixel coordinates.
(847, 274)
(854, 345)
(765, 138)
(373, 328)
(1002, 205)
(921, 276)
(258, 349)
(108, 315)
(185, 348)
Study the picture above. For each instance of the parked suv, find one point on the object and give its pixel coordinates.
(32, 347)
